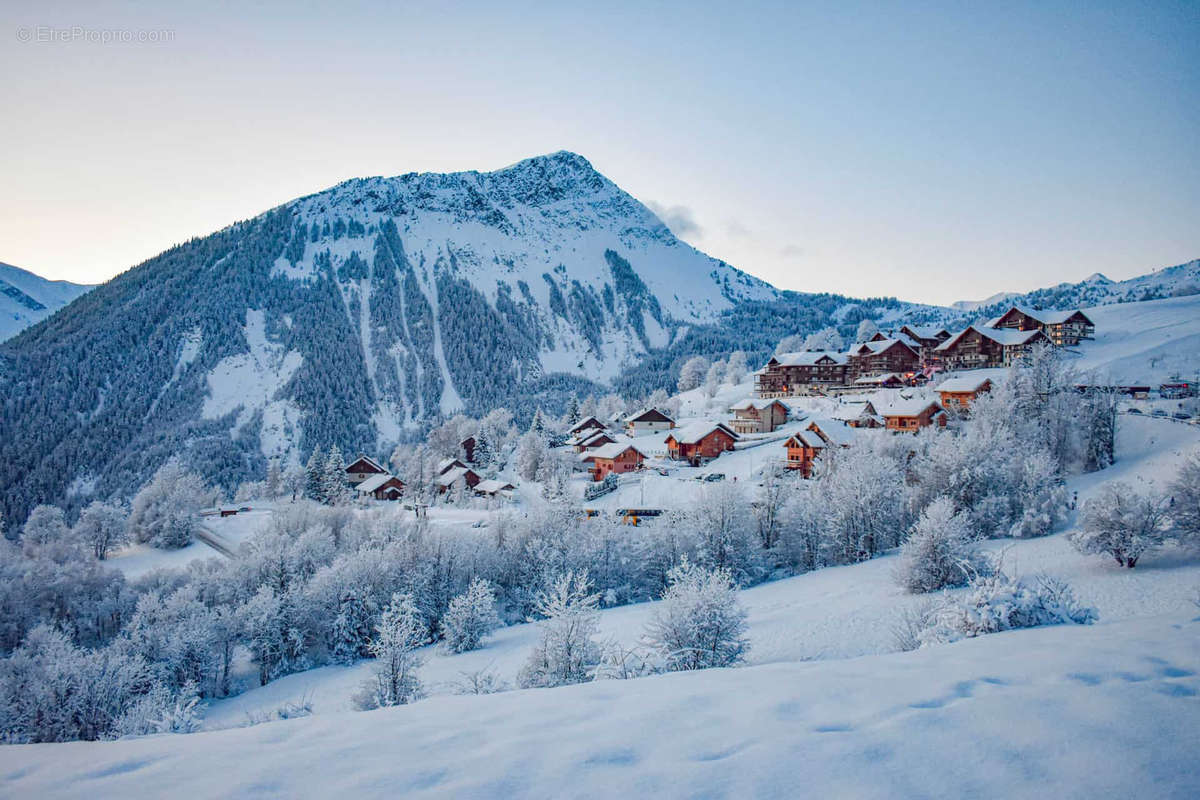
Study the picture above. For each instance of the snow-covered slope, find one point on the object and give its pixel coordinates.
(824, 708)
(1097, 290)
(26, 298)
(1144, 342)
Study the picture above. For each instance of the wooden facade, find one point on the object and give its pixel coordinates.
(802, 450)
(959, 393)
(649, 421)
(978, 348)
(617, 459)
(757, 416)
(1063, 328)
(697, 444)
(911, 416)
(362, 468)
(799, 373)
(881, 356)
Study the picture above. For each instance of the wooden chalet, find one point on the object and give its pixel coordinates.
(616, 458)
(857, 414)
(805, 446)
(913, 414)
(590, 439)
(979, 347)
(757, 416)
(588, 423)
(447, 464)
(447, 479)
(801, 373)
(467, 445)
(958, 393)
(926, 337)
(362, 468)
(700, 442)
(888, 380)
(1063, 328)
(382, 487)
(494, 488)
(650, 420)
(883, 355)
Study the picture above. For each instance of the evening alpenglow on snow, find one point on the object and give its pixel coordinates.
(539, 400)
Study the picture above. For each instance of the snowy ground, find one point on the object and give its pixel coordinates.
(823, 708)
(138, 559)
(1145, 342)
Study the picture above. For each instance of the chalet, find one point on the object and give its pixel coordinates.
(927, 338)
(912, 414)
(651, 420)
(467, 446)
(381, 487)
(362, 468)
(494, 488)
(447, 479)
(616, 458)
(978, 347)
(804, 447)
(958, 393)
(588, 423)
(447, 464)
(700, 442)
(1177, 389)
(591, 439)
(1063, 328)
(800, 373)
(883, 355)
(757, 416)
(857, 414)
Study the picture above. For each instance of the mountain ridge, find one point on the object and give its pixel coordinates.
(26, 298)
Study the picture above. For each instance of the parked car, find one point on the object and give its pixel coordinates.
(1135, 411)
(712, 477)
(1182, 415)
(1158, 412)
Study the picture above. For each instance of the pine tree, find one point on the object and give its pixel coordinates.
(470, 617)
(398, 634)
(484, 451)
(336, 488)
(573, 410)
(350, 636)
(314, 487)
(538, 425)
(274, 483)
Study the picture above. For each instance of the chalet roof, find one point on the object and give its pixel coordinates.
(370, 463)
(963, 383)
(493, 485)
(833, 432)
(697, 431)
(872, 380)
(590, 422)
(613, 450)
(925, 331)
(855, 411)
(1006, 337)
(376, 481)
(1044, 316)
(649, 415)
(448, 463)
(447, 478)
(883, 345)
(806, 439)
(758, 404)
(592, 439)
(809, 358)
(908, 407)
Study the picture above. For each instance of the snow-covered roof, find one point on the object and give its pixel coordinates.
(835, 432)
(963, 383)
(927, 331)
(874, 380)
(1003, 336)
(613, 450)
(853, 411)
(584, 424)
(374, 482)
(808, 439)
(1044, 316)
(451, 476)
(809, 358)
(447, 463)
(591, 436)
(760, 405)
(493, 485)
(691, 434)
(880, 345)
(370, 462)
(907, 407)
(649, 415)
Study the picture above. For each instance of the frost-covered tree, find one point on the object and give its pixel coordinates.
(723, 525)
(102, 527)
(1121, 523)
(335, 485)
(470, 617)
(275, 640)
(713, 378)
(350, 634)
(1039, 494)
(692, 373)
(531, 451)
(485, 449)
(398, 634)
(866, 329)
(567, 653)
(274, 484)
(1184, 503)
(294, 480)
(164, 511)
(315, 476)
(790, 344)
(45, 526)
(699, 624)
(939, 551)
(736, 368)
(572, 416)
(769, 506)
(824, 339)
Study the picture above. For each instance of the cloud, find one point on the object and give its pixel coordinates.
(791, 251)
(680, 219)
(737, 230)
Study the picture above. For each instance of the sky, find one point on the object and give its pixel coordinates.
(934, 152)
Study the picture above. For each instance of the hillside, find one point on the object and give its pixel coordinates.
(824, 700)
(1095, 290)
(26, 298)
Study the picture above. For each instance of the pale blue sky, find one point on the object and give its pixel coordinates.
(931, 151)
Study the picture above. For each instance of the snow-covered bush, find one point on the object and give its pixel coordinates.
(567, 652)
(939, 552)
(997, 602)
(1040, 495)
(531, 451)
(164, 511)
(470, 617)
(397, 636)
(1184, 503)
(700, 623)
(1121, 523)
(46, 526)
(483, 681)
(692, 373)
(723, 522)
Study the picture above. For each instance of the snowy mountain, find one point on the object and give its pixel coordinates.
(353, 316)
(26, 298)
(1097, 290)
